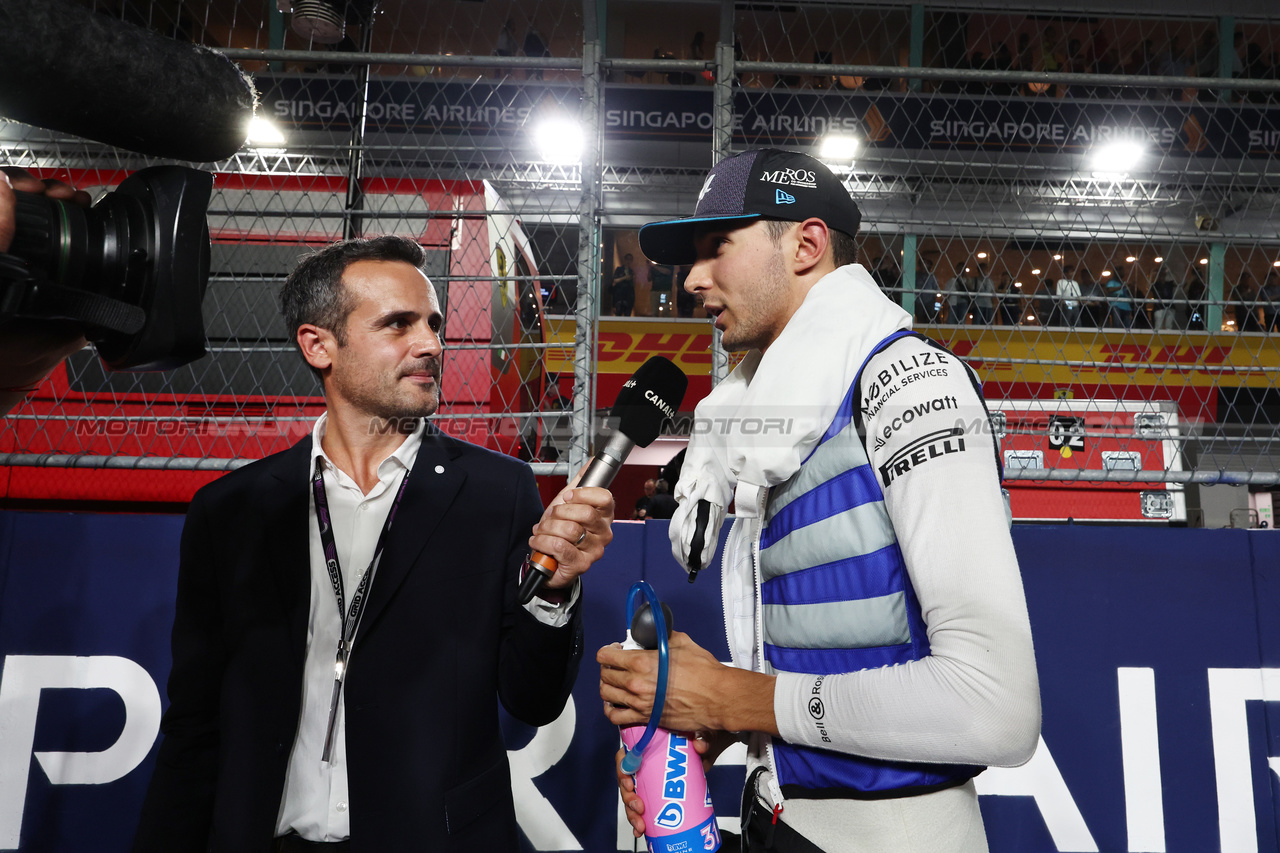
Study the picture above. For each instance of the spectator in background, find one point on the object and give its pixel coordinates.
(1270, 299)
(1008, 302)
(1195, 291)
(645, 500)
(1164, 297)
(1068, 292)
(959, 292)
(887, 276)
(1045, 305)
(1245, 295)
(927, 294)
(1003, 60)
(984, 301)
(534, 46)
(1119, 307)
(662, 505)
(623, 289)
(506, 40)
(1093, 312)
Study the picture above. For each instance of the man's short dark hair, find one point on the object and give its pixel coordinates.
(314, 294)
(844, 249)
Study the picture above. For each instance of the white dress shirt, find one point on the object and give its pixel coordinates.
(315, 803)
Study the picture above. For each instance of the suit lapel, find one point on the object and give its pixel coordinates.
(433, 484)
(288, 529)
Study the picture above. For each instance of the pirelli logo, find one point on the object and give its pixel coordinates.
(939, 443)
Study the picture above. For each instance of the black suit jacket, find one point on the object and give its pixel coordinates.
(442, 634)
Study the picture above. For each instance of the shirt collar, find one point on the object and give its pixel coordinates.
(402, 457)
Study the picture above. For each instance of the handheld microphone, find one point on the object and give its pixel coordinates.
(649, 398)
(68, 69)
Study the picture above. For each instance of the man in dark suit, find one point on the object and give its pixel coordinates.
(347, 609)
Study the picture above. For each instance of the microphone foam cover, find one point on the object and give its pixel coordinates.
(71, 70)
(651, 396)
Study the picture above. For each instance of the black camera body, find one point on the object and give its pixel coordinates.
(131, 270)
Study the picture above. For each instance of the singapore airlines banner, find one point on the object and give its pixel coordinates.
(1158, 649)
(484, 108)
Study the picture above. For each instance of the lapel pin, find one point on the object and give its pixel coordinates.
(439, 469)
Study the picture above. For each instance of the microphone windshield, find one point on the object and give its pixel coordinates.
(649, 398)
(66, 68)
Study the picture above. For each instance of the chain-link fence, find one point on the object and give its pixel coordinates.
(1083, 207)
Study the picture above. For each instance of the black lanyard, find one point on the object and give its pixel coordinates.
(351, 621)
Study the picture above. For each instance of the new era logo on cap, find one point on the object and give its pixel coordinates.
(767, 183)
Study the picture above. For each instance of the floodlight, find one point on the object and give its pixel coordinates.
(560, 141)
(838, 148)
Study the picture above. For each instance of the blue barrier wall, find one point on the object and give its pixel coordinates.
(1158, 651)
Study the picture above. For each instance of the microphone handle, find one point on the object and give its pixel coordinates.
(599, 474)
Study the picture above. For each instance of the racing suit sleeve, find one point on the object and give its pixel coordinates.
(974, 699)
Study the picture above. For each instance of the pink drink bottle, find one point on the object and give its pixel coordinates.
(678, 817)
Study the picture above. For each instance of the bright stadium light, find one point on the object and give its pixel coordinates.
(560, 141)
(838, 148)
(1114, 162)
(265, 137)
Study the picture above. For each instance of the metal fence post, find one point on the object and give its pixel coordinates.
(721, 147)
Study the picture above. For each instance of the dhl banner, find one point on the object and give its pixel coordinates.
(1024, 355)
(1091, 357)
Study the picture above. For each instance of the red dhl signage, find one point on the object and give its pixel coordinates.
(1018, 354)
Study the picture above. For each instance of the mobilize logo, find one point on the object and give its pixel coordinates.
(817, 710)
(781, 197)
(920, 451)
(791, 177)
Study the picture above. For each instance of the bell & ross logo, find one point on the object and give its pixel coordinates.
(817, 710)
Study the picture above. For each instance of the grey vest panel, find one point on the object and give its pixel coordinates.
(865, 623)
(842, 452)
(860, 530)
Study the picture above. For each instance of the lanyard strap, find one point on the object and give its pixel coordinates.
(350, 617)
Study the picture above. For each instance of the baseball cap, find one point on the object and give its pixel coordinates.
(766, 183)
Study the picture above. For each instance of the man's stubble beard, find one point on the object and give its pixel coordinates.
(752, 333)
(383, 397)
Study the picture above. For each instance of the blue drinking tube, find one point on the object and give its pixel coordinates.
(631, 760)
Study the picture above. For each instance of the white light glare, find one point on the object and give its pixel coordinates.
(264, 134)
(1159, 260)
(1276, 264)
(838, 148)
(560, 141)
(1204, 261)
(1114, 162)
(1035, 272)
(1106, 273)
(1057, 257)
(981, 255)
(1130, 259)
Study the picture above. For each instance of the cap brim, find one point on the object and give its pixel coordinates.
(671, 242)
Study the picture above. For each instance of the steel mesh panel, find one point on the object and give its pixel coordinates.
(977, 181)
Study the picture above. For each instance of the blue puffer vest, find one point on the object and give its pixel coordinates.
(836, 599)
